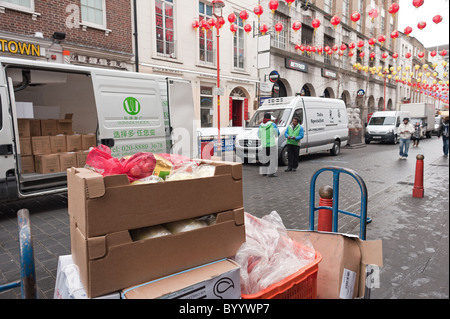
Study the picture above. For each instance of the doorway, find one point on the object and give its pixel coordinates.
(237, 114)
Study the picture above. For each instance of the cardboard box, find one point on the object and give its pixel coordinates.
(65, 126)
(25, 146)
(104, 205)
(345, 258)
(81, 158)
(74, 143)
(88, 141)
(27, 163)
(58, 144)
(49, 127)
(68, 284)
(114, 262)
(46, 164)
(23, 127)
(217, 280)
(35, 128)
(67, 160)
(41, 145)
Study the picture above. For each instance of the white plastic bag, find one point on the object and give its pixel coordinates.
(269, 255)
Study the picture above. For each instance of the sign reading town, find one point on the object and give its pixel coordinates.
(18, 47)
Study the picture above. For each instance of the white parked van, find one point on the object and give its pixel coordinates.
(325, 122)
(383, 126)
(129, 112)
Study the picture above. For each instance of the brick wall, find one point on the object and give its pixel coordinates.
(53, 18)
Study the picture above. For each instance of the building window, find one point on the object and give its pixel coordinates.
(165, 40)
(345, 11)
(239, 45)
(327, 6)
(93, 13)
(27, 5)
(280, 38)
(206, 36)
(328, 41)
(361, 10)
(206, 106)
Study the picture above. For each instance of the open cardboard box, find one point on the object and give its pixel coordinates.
(105, 205)
(217, 280)
(114, 262)
(342, 272)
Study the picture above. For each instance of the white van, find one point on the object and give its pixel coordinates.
(383, 126)
(325, 122)
(127, 111)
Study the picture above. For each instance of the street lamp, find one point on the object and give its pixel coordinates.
(218, 6)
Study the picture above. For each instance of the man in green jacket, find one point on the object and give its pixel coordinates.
(268, 133)
(294, 134)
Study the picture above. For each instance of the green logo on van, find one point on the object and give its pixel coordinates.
(132, 106)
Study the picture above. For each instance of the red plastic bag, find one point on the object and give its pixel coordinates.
(101, 160)
(139, 166)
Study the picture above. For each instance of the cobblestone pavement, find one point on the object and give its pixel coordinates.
(414, 231)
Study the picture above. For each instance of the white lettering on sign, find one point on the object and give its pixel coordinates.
(348, 284)
(298, 65)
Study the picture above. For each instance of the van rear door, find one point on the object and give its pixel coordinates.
(131, 118)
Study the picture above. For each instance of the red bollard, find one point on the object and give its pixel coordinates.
(325, 215)
(419, 191)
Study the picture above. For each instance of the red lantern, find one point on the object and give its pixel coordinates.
(302, 48)
(212, 22)
(205, 25)
(234, 28)
(372, 41)
(220, 22)
(290, 2)
(373, 13)
(335, 21)
(362, 55)
(273, 5)
(351, 53)
(343, 47)
(232, 18)
(393, 9)
(327, 49)
(443, 53)
(385, 55)
(438, 19)
(316, 23)
(320, 50)
(421, 55)
(418, 3)
(433, 53)
(296, 26)
(381, 39)
(408, 31)
(297, 47)
(335, 48)
(394, 35)
(372, 56)
(258, 10)
(248, 28)
(355, 17)
(395, 55)
(408, 55)
(264, 29)
(422, 25)
(279, 27)
(351, 46)
(195, 25)
(360, 44)
(244, 15)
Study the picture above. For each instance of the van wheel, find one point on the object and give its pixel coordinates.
(283, 160)
(336, 150)
(395, 140)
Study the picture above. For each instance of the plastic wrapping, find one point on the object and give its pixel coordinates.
(191, 170)
(185, 225)
(269, 255)
(149, 232)
(100, 160)
(138, 166)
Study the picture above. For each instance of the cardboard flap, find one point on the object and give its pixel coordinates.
(95, 188)
(230, 168)
(97, 248)
(116, 181)
(372, 252)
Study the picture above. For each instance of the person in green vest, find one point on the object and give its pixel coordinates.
(294, 134)
(268, 133)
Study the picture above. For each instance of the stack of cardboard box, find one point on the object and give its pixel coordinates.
(104, 210)
(50, 146)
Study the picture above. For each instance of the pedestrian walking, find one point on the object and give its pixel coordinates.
(406, 130)
(416, 135)
(268, 133)
(294, 134)
(444, 132)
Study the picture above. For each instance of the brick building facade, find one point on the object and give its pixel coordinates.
(86, 34)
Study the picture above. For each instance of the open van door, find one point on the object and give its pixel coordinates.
(182, 118)
(8, 173)
(131, 118)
